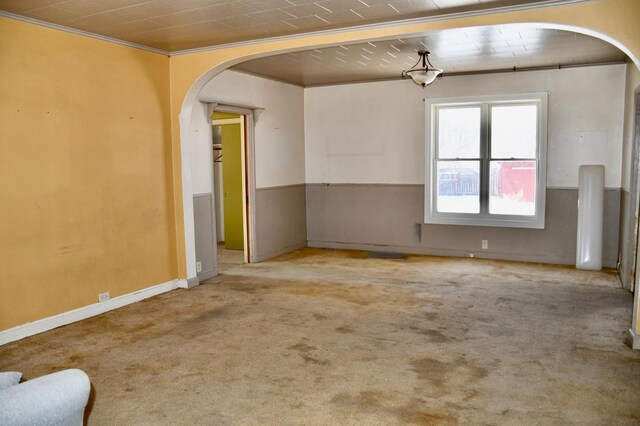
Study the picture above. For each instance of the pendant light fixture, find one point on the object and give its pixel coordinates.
(425, 74)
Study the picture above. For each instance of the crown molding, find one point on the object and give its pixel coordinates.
(81, 32)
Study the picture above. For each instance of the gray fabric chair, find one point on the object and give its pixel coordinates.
(55, 399)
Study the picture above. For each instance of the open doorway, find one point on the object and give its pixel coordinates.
(223, 225)
(229, 186)
(229, 144)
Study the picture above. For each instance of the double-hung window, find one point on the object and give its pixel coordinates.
(486, 161)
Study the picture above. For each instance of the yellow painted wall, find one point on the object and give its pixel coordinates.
(85, 172)
(232, 182)
(219, 115)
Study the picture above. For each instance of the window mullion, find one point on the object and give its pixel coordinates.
(485, 150)
(434, 165)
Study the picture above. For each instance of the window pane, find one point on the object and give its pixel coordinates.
(514, 131)
(513, 188)
(458, 187)
(459, 132)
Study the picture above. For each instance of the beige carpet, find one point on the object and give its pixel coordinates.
(323, 337)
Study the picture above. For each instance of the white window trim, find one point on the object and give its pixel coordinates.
(508, 221)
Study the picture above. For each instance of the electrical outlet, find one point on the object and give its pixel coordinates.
(103, 297)
(472, 255)
(198, 266)
(485, 244)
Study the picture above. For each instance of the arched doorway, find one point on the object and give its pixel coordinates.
(193, 92)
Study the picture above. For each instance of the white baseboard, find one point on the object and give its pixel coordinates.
(45, 324)
(635, 340)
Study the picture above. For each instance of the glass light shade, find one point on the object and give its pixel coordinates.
(424, 77)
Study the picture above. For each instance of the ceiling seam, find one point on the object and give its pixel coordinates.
(380, 25)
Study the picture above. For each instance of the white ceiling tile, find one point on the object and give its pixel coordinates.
(454, 51)
(239, 19)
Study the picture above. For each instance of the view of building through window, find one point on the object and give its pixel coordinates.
(505, 149)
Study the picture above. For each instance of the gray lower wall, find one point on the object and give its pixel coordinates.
(281, 225)
(627, 239)
(281, 221)
(205, 232)
(389, 218)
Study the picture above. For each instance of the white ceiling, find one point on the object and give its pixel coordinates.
(186, 24)
(454, 51)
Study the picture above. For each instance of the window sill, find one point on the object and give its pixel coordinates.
(535, 223)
